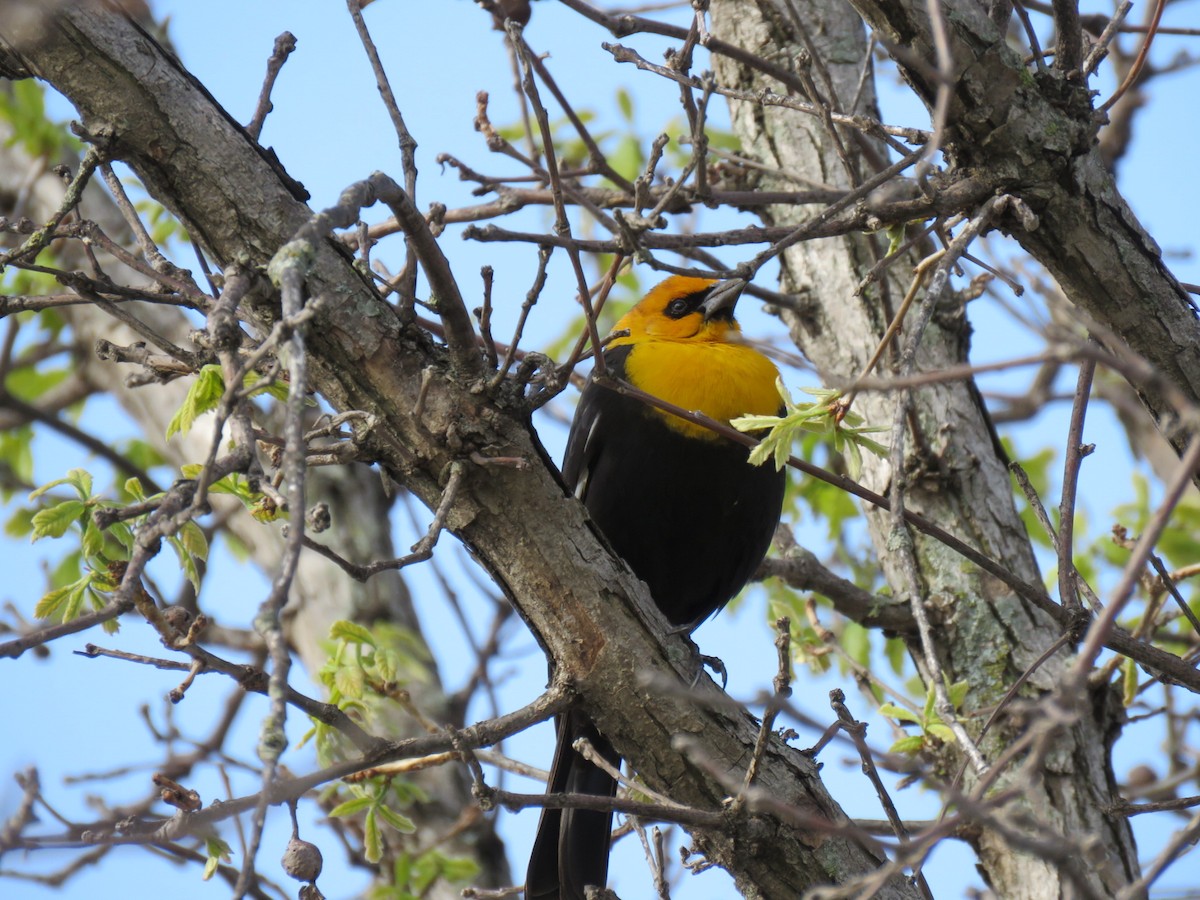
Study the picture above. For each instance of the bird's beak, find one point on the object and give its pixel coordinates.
(721, 301)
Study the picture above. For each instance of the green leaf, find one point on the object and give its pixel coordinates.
(896, 653)
(855, 463)
(133, 487)
(413, 792)
(203, 395)
(351, 632)
(856, 641)
(305, 738)
(164, 227)
(265, 510)
(231, 484)
(276, 387)
(403, 824)
(893, 711)
(372, 841)
(28, 384)
(350, 807)
(625, 105)
(20, 524)
(761, 453)
(93, 539)
(820, 417)
(941, 732)
(427, 867)
(187, 562)
(1129, 682)
(75, 598)
(81, 480)
(353, 706)
(958, 693)
(46, 487)
(123, 535)
(102, 580)
(141, 453)
(68, 570)
(50, 606)
(457, 869)
(192, 537)
(23, 106)
(351, 681)
(627, 159)
(909, 746)
(55, 520)
(403, 869)
(16, 449)
(217, 852)
(387, 664)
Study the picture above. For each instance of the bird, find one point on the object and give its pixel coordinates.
(678, 502)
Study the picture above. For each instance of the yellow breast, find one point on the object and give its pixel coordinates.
(722, 379)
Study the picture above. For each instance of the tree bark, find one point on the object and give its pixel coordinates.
(1035, 132)
(987, 635)
(582, 604)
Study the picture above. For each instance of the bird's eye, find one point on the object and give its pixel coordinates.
(677, 307)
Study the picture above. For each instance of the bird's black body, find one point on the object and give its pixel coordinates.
(686, 513)
(693, 519)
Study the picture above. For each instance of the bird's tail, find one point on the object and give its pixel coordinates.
(571, 847)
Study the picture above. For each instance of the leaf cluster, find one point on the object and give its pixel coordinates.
(824, 415)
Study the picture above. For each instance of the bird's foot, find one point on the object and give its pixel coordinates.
(717, 666)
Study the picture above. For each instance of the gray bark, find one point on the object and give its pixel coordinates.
(987, 635)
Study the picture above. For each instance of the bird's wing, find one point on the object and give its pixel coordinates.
(586, 441)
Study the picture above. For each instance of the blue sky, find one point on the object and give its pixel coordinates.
(329, 129)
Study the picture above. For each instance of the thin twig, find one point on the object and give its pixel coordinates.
(783, 690)
(40, 239)
(421, 550)
(844, 403)
(484, 315)
(1100, 48)
(868, 126)
(1076, 451)
(1169, 585)
(290, 276)
(1104, 624)
(284, 45)
(1139, 61)
(531, 297)
(408, 144)
(1178, 844)
(858, 732)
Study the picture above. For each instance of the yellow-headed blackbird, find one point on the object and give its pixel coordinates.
(678, 502)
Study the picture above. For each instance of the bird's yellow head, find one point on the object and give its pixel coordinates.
(682, 308)
(685, 347)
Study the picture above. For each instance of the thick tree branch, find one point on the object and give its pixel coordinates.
(585, 608)
(1085, 234)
